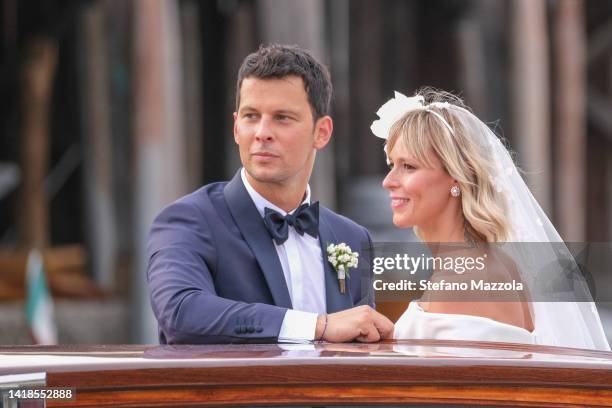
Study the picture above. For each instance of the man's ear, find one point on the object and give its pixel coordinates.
(324, 128)
(235, 125)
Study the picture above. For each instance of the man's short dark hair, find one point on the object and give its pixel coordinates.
(279, 61)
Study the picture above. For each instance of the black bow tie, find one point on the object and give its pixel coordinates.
(304, 220)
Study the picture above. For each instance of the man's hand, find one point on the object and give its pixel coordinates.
(361, 323)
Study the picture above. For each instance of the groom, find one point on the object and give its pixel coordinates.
(245, 260)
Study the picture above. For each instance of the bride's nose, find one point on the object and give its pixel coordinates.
(390, 181)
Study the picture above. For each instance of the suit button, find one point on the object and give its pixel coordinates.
(259, 329)
(250, 329)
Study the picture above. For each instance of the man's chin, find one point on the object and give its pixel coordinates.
(265, 175)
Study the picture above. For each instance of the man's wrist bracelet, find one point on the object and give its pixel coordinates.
(322, 337)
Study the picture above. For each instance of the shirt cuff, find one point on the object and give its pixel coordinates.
(298, 326)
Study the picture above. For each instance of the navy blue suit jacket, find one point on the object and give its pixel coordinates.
(214, 275)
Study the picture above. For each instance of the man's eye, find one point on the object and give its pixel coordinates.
(282, 117)
(249, 116)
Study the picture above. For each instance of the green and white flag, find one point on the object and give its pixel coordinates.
(39, 304)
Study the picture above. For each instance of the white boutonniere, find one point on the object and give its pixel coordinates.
(342, 258)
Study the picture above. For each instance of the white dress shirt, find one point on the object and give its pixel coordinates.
(302, 262)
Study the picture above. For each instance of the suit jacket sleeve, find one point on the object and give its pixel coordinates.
(181, 261)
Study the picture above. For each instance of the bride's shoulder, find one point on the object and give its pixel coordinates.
(499, 269)
(498, 265)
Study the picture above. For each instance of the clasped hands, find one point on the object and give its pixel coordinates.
(361, 323)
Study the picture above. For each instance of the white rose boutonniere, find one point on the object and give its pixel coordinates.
(342, 258)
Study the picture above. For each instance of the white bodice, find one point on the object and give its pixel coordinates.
(416, 323)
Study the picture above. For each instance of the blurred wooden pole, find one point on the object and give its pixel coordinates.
(472, 60)
(192, 89)
(340, 73)
(366, 34)
(97, 140)
(37, 74)
(160, 165)
(570, 118)
(531, 96)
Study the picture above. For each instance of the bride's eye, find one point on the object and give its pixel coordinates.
(408, 167)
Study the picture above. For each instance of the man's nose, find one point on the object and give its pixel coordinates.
(264, 131)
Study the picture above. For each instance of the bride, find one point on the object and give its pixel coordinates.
(454, 182)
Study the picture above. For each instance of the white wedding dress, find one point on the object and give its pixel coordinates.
(416, 323)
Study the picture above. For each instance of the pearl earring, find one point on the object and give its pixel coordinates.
(455, 191)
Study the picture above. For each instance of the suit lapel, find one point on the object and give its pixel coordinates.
(336, 301)
(256, 235)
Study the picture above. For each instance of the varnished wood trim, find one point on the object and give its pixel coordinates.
(335, 374)
(334, 394)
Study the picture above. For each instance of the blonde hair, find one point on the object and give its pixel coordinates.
(464, 156)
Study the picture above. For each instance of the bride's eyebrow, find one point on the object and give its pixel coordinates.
(401, 160)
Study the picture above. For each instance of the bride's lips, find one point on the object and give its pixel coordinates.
(398, 202)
